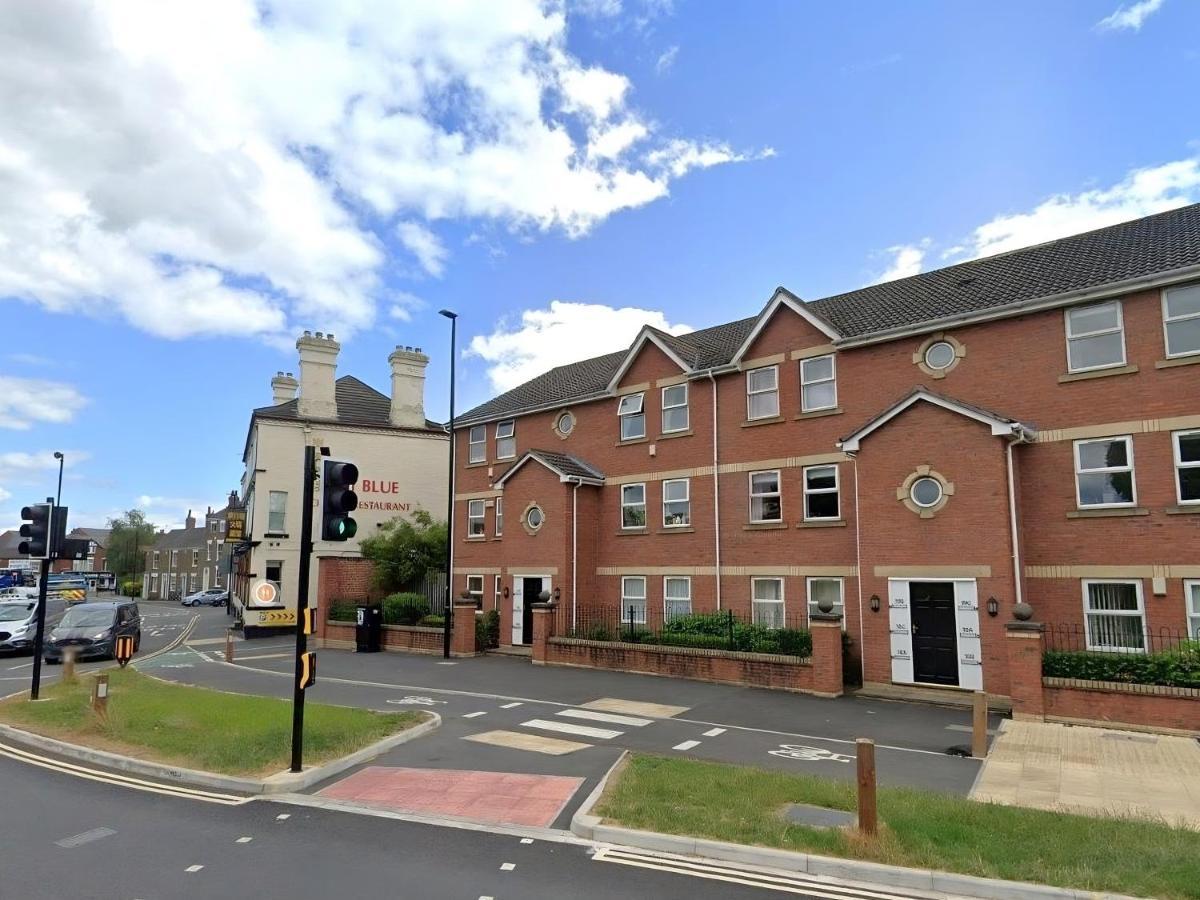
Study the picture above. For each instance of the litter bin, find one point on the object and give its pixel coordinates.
(368, 631)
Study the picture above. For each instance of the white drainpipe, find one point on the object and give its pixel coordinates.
(574, 551)
(862, 647)
(1012, 520)
(716, 488)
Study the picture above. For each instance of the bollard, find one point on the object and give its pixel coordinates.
(100, 695)
(868, 820)
(229, 646)
(979, 744)
(68, 672)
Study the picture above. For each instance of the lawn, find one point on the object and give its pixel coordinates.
(920, 829)
(197, 728)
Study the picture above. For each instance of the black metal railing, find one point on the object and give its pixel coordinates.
(714, 632)
(1122, 649)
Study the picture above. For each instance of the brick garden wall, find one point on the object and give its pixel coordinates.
(410, 638)
(1150, 706)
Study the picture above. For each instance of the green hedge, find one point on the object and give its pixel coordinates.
(709, 631)
(487, 630)
(404, 609)
(342, 611)
(432, 621)
(1178, 667)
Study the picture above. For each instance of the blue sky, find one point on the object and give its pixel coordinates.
(185, 189)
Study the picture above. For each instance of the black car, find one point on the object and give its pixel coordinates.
(93, 628)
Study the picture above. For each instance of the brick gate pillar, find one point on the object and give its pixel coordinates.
(543, 629)
(462, 633)
(1025, 647)
(826, 631)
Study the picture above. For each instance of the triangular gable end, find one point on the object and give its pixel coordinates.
(531, 455)
(784, 297)
(999, 425)
(646, 334)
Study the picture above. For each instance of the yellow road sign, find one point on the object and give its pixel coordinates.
(273, 617)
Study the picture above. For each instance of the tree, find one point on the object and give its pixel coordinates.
(404, 551)
(132, 535)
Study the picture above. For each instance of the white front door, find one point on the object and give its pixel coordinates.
(518, 622)
(522, 629)
(935, 632)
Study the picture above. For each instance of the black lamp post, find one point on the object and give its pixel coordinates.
(58, 498)
(449, 610)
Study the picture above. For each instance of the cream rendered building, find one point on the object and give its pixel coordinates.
(401, 457)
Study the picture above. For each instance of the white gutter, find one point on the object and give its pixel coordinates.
(716, 488)
(1012, 520)
(862, 647)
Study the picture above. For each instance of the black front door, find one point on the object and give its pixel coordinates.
(934, 639)
(531, 588)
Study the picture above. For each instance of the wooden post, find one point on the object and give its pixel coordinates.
(868, 820)
(979, 743)
(68, 672)
(229, 645)
(100, 695)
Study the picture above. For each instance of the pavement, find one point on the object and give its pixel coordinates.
(1094, 771)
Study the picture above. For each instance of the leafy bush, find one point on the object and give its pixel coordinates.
(404, 609)
(714, 624)
(432, 621)
(131, 587)
(1177, 667)
(487, 630)
(342, 611)
(703, 641)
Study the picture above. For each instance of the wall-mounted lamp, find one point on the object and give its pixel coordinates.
(557, 594)
(506, 592)
(874, 603)
(993, 607)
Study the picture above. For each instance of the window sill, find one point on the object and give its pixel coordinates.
(676, 529)
(478, 465)
(641, 440)
(1190, 360)
(1097, 373)
(1190, 510)
(1106, 513)
(506, 459)
(751, 423)
(477, 539)
(498, 538)
(625, 532)
(667, 435)
(764, 526)
(818, 413)
(823, 523)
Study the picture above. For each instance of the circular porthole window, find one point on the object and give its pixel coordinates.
(926, 492)
(534, 518)
(939, 356)
(565, 424)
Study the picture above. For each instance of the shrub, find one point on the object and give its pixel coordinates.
(131, 587)
(487, 630)
(703, 641)
(794, 642)
(715, 624)
(432, 621)
(404, 609)
(342, 611)
(1177, 667)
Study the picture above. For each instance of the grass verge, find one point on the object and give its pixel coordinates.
(188, 726)
(922, 829)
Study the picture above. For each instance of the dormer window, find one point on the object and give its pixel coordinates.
(632, 416)
(675, 408)
(818, 383)
(506, 442)
(762, 393)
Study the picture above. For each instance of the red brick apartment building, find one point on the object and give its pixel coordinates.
(928, 453)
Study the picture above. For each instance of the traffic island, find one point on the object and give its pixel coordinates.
(198, 736)
(926, 840)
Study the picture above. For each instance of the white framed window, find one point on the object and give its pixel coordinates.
(277, 512)
(1187, 465)
(475, 513)
(818, 383)
(1114, 618)
(174, 559)
(499, 516)
(155, 559)
(675, 408)
(194, 582)
(831, 588)
(208, 551)
(154, 582)
(477, 444)
(195, 558)
(766, 501)
(1104, 472)
(821, 499)
(677, 505)
(677, 596)
(1181, 319)
(633, 417)
(762, 393)
(633, 599)
(506, 441)
(633, 505)
(475, 589)
(766, 601)
(498, 592)
(1095, 336)
(1191, 599)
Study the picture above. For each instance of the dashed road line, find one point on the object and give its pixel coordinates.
(686, 745)
(474, 715)
(282, 816)
(86, 837)
(243, 840)
(511, 705)
(193, 868)
(507, 867)
(713, 732)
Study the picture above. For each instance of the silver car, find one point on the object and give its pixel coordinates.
(18, 622)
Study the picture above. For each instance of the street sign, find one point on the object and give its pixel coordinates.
(272, 618)
(265, 593)
(123, 650)
(235, 525)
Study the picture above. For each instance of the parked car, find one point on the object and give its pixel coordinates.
(18, 621)
(209, 597)
(93, 628)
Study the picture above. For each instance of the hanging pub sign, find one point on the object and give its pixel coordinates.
(235, 525)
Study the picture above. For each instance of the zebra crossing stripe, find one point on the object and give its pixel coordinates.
(610, 718)
(569, 728)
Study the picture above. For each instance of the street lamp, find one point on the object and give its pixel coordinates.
(58, 455)
(448, 611)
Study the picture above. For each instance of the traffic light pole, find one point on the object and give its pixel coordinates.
(306, 546)
(41, 624)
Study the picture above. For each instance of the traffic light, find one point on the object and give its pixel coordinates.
(309, 620)
(36, 530)
(338, 500)
(308, 670)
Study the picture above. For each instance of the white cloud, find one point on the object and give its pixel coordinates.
(611, 142)
(546, 338)
(240, 166)
(597, 9)
(907, 260)
(667, 60)
(4, 495)
(1130, 17)
(403, 305)
(430, 252)
(24, 401)
(34, 475)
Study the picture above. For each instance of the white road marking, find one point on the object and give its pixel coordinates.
(447, 664)
(263, 656)
(604, 734)
(610, 718)
(474, 715)
(244, 840)
(282, 816)
(507, 867)
(968, 729)
(416, 701)
(686, 745)
(193, 868)
(809, 754)
(511, 705)
(713, 732)
(86, 837)
(22, 666)
(526, 840)
(515, 740)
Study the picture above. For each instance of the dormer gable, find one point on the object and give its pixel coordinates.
(649, 341)
(1001, 426)
(784, 302)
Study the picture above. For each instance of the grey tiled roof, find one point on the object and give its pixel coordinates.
(358, 404)
(1145, 247)
(920, 389)
(98, 535)
(563, 463)
(181, 539)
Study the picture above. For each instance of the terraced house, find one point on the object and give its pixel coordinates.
(926, 453)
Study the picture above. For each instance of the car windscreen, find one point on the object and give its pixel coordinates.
(15, 612)
(82, 617)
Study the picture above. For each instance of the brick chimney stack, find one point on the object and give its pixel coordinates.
(190, 521)
(318, 368)
(283, 388)
(408, 386)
